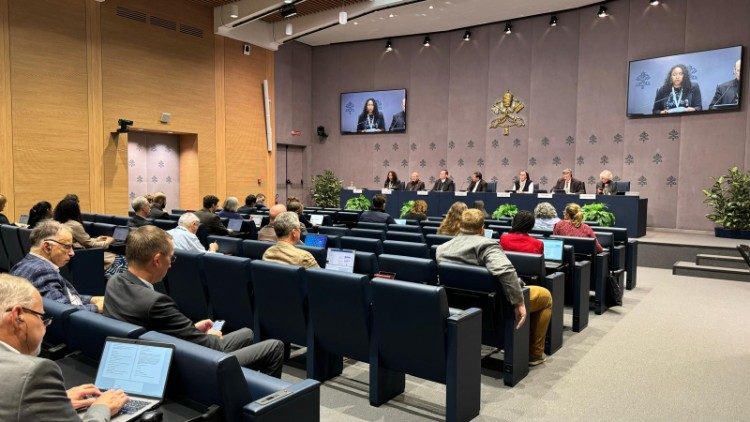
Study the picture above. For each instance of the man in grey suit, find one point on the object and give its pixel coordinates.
(130, 297)
(32, 387)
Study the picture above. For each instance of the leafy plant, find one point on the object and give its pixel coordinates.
(326, 189)
(358, 203)
(505, 210)
(729, 196)
(406, 208)
(598, 212)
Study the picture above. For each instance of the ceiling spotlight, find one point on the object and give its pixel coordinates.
(343, 18)
(553, 20)
(388, 46)
(288, 1)
(508, 28)
(426, 41)
(467, 35)
(602, 12)
(654, 2)
(431, 7)
(288, 29)
(234, 11)
(288, 10)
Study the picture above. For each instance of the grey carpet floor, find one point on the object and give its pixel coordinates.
(678, 349)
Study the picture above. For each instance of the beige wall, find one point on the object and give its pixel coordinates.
(71, 68)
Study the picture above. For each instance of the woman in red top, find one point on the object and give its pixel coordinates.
(573, 225)
(518, 239)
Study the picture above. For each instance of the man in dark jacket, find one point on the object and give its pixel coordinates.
(209, 219)
(377, 213)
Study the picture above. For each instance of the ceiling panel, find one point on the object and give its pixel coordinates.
(309, 7)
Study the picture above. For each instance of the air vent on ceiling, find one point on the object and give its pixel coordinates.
(191, 30)
(131, 14)
(167, 24)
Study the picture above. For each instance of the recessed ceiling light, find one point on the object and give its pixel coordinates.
(356, 23)
(654, 2)
(553, 20)
(234, 11)
(602, 12)
(391, 15)
(431, 7)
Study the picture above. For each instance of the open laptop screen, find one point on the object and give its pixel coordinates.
(234, 224)
(121, 233)
(317, 219)
(138, 367)
(340, 260)
(400, 221)
(24, 219)
(257, 219)
(317, 240)
(553, 249)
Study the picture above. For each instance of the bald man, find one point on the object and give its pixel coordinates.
(728, 92)
(268, 233)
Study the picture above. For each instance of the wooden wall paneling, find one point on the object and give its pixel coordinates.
(6, 127)
(270, 158)
(221, 140)
(96, 140)
(189, 186)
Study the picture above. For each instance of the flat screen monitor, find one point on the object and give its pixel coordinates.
(400, 221)
(257, 219)
(699, 82)
(369, 112)
(121, 233)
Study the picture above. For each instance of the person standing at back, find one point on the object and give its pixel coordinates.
(376, 213)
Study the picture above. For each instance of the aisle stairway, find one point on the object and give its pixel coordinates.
(724, 266)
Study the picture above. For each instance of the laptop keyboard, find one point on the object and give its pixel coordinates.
(133, 406)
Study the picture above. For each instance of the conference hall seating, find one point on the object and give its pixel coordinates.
(405, 228)
(365, 263)
(585, 248)
(24, 236)
(404, 236)
(408, 268)
(12, 244)
(227, 245)
(85, 271)
(186, 285)
(86, 332)
(230, 290)
(254, 249)
(369, 233)
(395, 247)
(372, 226)
(362, 244)
(330, 230)
(318, 253)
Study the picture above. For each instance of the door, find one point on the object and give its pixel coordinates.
(154, 166)
(291, 173)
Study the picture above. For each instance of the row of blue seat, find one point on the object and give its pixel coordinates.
(14, 245)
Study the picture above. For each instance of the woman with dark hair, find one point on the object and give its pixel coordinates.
(518, 239)
(523, 184)
(573, 225)
(371, 120)
(3, 218)
(68, 212)
(479, 204)
(418, 211)
(391, 181)
(40, 211)
(678, 94)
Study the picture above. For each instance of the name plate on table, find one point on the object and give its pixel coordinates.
(356, 190)
(503, 195)
(587, 196)
(423, 192)
(628, 193)
(460, 193)
(544, 195)
(386, 191)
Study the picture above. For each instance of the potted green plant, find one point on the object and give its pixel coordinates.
(598, 212)
(505, 210)
(358, 203)
(729, 198)
(406, 208)
(326, 189)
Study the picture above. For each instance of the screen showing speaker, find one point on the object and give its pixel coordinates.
(704, 81)
(373, 112)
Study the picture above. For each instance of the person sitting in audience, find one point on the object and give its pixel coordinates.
(131, 297)
(297, 208)
(545, 216)
(3, 218)
(249, 207)
(479, 205)
(184, 238)
(40, 211)
(207, 215)
(418, 211)
(452, 220)
(573, 225)
(149, 197)
(229, 210)
(518, 239)
(260, 201)
(157, 207)
(51, 249)
(376, 213)
(33, 387)
(68, 212)
(73, 197)
(288, 231)
(471, 247)
(267, 233)
(414, 183)
(142, 208)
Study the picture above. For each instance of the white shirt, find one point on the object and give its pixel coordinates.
(10, 349)
(184, 240)
(567, 186)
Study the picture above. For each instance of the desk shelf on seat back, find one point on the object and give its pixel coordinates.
(585, 248)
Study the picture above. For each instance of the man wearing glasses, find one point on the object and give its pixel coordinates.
(130, 297)
(287, 228)
(52, 248)
(32, 387)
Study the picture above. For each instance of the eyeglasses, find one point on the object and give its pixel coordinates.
(46, 320)
(172, 259)
(66, 246)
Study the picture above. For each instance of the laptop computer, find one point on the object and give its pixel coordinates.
(488, 233)
(401, 221)
(257, 219)
(317, 219)
(553, 250)
(317, 240)
(340, 260)
(24, 219)
(121, 234)
(138, 367)
(235, 224)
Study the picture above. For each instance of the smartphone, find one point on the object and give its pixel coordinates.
(218, 325)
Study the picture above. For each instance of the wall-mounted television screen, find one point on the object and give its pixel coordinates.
(703, 81)
(373, 112)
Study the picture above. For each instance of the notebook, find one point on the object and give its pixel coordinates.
(317, 219)
(234, 224)
(257, 219)
(138, 367)
(121, 233)
(400, 221)
(24, 219)
(340, 260)
(317, 240)
(553, 250)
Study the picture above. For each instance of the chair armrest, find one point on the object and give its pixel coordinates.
(297, 402)
(465, 317)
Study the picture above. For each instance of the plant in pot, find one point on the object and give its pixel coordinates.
(406, 208)
(598, 212)
(358, 203)
(729, 198)
(505, 210)
(326, 189)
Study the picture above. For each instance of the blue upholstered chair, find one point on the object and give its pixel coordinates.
(368, 233)
(86, 271)
(408, 268)
(101, 229)
(318, 253)
(227, 245)
(404, 236)
(254, 249)
(24, 236)
(405, 228)
(55, 336)
(330, 230)
(119, 220)
(4, 261)
(428, 230)
(437, 239)
(417, 250)
(12, 244)
(585, 249)
(229, 289)
(622, 186)
(365, 263)
(86, 331)
(165, 224)
(186, 284)
(372, 226)
(362, 244)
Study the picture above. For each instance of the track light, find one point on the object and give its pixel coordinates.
(289, 29)
(288, 10)
(467, 35)
(508, 28)
(343, 18)
(553, 20)
(602, 11)
(426, 41)
(654, 2)
(234, 11)
(388, 46)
